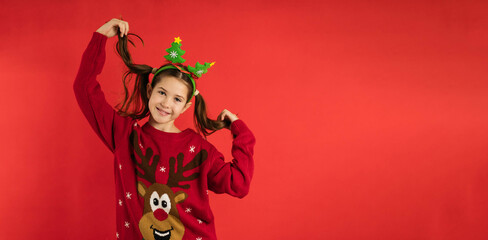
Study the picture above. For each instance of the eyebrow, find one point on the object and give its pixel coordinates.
(176, 94)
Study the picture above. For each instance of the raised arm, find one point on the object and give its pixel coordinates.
(234, 177)
(102, 117)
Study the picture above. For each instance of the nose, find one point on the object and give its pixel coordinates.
(160, 214)
(166, 102)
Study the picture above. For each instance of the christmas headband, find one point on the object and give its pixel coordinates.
(175, 59)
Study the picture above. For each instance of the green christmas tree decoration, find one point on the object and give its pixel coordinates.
(175, 53)
(200, 69)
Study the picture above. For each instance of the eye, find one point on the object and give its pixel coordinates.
(165, 202)
(161, 92)
(154, 202)
(177, 99)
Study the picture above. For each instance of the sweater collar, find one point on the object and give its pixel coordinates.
(154, 131)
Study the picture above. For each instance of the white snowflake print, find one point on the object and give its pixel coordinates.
(199, 221)
(128, 195)
(117, 234)
(120, 166)
(188, 210)
(199, 72)
(140, 145)
(135, 124)
(162, 169)
(173, 54)
(198, 238)
(207, 191)
(127, 224)
(192, 149)
(120, 202)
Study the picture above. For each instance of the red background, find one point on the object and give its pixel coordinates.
(370, 116)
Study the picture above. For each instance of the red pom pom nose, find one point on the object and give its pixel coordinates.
(160, 214)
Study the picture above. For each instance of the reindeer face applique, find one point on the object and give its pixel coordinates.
(160, 219)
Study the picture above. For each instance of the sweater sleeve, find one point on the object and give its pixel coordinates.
(234, 177)
(101, 116)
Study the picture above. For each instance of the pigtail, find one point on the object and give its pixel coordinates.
(135, 102)
(201, 120)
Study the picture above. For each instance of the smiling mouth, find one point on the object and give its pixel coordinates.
(163, 113)
(158, 235)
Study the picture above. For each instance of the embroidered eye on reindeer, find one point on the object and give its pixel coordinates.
(160, 219)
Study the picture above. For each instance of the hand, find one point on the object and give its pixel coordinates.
(226, 114)
(110, 28)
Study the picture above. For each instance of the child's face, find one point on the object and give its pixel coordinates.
(167, 101)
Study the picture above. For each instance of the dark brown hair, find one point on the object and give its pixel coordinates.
(135, 103)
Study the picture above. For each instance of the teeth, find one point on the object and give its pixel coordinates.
(161, 234)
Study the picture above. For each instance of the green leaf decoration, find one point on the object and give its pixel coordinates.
(175, 53)
(200, 69)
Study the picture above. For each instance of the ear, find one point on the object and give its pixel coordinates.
(180, 196)
(188, 105)
(141, 189)
(149, 90)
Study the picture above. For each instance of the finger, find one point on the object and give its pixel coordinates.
(127, 28)
(121, 27)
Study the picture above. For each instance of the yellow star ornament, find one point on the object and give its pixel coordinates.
(177, 40)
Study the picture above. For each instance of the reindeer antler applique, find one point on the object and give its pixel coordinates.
(176, 172)
(146, 165)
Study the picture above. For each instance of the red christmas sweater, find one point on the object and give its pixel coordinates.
(161, 179)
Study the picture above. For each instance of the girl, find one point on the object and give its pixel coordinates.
(162, 174)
